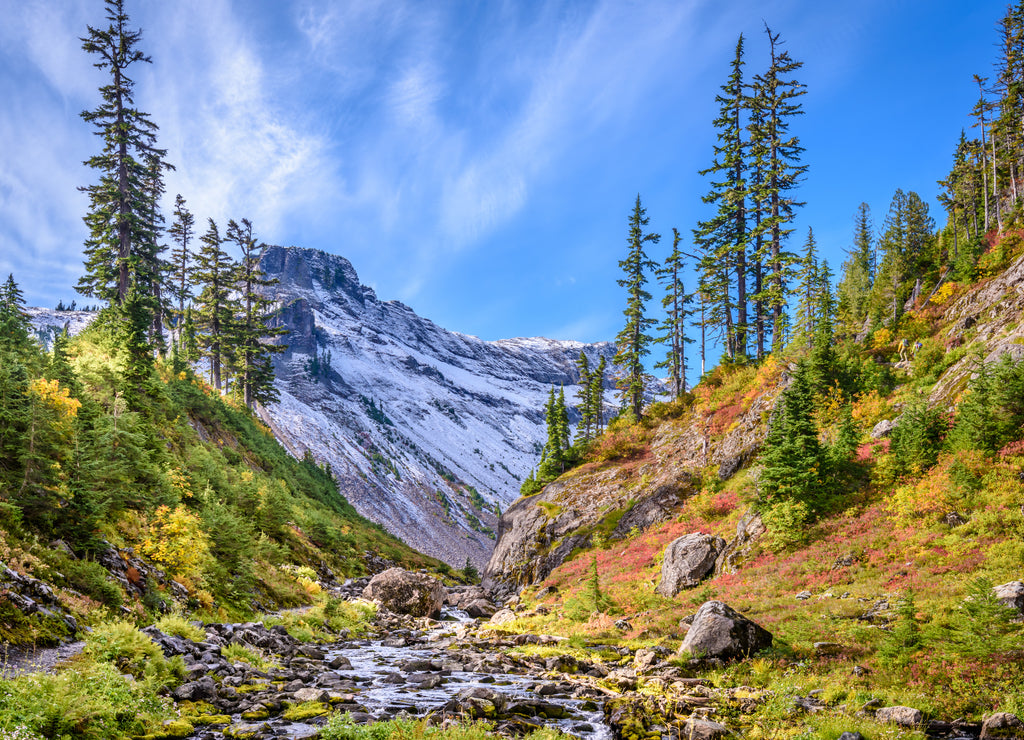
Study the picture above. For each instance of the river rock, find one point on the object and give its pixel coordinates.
(1002, 725)
(311, 694)
(703, 729)
(719, 631)
(481, 608)
(902, 716)
(503, 616)
(688, 561)
(403, 592)
(202, 690)
(1011, 594)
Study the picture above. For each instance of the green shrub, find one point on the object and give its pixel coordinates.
(175, 624)
(92, 701)
(241, 654)
(122, 644)
(92, 579)
(785, 522)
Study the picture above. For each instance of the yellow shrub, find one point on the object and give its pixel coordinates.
(882, 338)
(176, 541)
(944, 293)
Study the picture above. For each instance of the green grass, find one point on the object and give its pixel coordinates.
(340, 727)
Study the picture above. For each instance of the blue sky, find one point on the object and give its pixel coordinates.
(477, 161)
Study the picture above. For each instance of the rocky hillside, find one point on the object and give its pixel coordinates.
(428, 432)
(644, 486)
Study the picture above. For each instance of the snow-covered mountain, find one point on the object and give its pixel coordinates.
(429, 432)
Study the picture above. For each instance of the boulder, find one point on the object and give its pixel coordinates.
(503, 616)
(902, 716)
(718, 631)
(704, 729)
(202, 690)
(749, 529)
(1011, 594)
(480, 608)
(403, 592)
(688, 561)
(1002, 725)
(882, 429)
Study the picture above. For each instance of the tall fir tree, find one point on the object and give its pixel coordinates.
(676, 303)
(808, 283)
(597, 394)
(776, 96)
(120, 247)
(252, 333)
(215, 271)
(858, 273)
(905, 246)
(633, 341)
(585, 429)
(182, 231)
(725, 236)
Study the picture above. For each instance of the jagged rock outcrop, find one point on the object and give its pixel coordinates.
(988, 315)
(428, 432)
(688, 561)
(719, 631)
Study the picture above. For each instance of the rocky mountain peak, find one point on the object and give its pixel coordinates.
(429, 432)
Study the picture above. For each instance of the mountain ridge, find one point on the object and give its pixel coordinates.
(428, 431)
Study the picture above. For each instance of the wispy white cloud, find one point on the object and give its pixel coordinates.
(238, 150)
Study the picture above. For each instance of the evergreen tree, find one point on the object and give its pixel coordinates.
(597, 394)
(182, 231)
(120, 247)
(808, 286)
(725, 236)
(216, 307)
(792, 461)
(916, 437)
(135, 347)
(252, 350)
(15, 409)
(189, 346)
(633, 341)
(553, 458)
(676, 303)
(562, 421)
(14, 324)
(858, 274)
(776, 96)
(585, 430)
(905, 246)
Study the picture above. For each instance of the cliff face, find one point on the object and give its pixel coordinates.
(429, 432)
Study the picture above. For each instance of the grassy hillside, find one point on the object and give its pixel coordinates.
(206, 511)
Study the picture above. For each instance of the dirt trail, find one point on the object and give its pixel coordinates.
(17, 661)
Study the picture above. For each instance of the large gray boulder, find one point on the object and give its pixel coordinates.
(902, 716)
(1011, 594)
(719, 631)
(1002, 725)
(403, 592)
(688, 561)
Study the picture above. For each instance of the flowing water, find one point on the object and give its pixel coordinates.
(379, 683)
